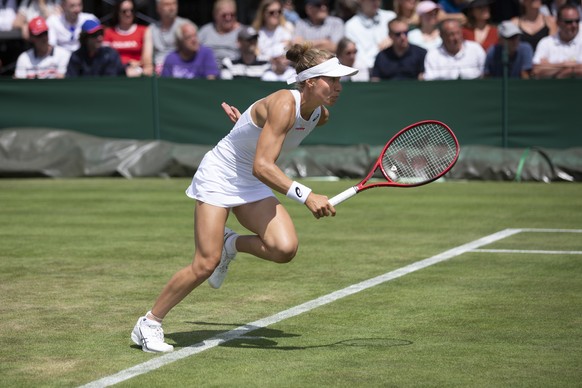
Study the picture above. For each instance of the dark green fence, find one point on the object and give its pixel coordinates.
(543, 113)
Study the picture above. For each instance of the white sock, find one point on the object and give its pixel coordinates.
(231, 243)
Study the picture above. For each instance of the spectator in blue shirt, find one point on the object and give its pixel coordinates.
(400, 61)
(519, 54)
(92, 59)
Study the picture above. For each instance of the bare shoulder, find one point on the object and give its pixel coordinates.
(276, 107)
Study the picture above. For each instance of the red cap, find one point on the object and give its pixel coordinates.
(37, 26)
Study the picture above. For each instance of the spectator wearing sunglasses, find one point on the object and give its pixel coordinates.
(402, 60)
(221, 35)
(42, 60)
(560, 55)
(126, 36)
(93, 59)
(319, 28)
(274, 30)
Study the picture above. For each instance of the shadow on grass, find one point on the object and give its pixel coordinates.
(266, 338)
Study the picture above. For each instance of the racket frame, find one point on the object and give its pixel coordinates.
(363, 184)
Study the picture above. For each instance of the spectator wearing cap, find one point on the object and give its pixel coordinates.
(517, 59)
(560, 55)
(42, 60)
(319, 28)
(369, 30)
(221, 35)
(455, 58)
(93, 59)
(192, 59)
(280, 70)
(247, 65)
(478, 28)
(427, 35)
(400, 61)
(30, 9)
(65, 29)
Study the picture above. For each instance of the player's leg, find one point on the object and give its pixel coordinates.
(209, 224)
(276, 239)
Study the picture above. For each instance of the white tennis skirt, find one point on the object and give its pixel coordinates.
(218, 185)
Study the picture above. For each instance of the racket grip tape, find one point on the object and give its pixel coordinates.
(343, 196)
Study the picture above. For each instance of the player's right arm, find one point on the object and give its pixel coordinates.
(276, 115)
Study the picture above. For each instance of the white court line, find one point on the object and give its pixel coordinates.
(528, 251)
(213, 342)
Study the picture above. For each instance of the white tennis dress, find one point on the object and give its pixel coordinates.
(224, 177)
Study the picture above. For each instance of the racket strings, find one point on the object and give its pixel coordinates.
(419, 154)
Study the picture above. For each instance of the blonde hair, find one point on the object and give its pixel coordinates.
(259, 19)
(304, 56)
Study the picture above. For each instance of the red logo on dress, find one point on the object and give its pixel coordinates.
(300, 128)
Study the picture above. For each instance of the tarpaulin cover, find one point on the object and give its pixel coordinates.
(58, 153)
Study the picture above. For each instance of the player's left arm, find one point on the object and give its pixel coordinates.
(324, 116)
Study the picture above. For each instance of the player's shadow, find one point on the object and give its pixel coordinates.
(266, 338)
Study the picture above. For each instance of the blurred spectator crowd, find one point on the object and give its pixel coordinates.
(385, 40)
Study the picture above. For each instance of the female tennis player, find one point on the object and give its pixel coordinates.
(240, 174)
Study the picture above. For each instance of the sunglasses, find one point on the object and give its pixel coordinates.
(399, 33)
(274, 12)
(127, 11)
(571, 21)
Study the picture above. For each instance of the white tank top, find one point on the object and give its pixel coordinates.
(225, 178)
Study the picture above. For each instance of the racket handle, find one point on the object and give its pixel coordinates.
(343, 196)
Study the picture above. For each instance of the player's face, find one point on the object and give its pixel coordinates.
(328, 89)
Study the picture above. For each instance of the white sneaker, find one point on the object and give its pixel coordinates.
(150, 336)
(217, 278)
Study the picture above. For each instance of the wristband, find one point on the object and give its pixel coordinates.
(298, 192)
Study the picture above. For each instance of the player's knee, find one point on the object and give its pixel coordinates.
(204, 267)
(284, 253)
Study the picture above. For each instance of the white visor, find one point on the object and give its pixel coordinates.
(330, 68)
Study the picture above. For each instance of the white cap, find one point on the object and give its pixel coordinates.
(426, 7)
(507, 29)
(330, 68)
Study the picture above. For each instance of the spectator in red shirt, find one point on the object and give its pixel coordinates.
(126, 36)
(478, 28)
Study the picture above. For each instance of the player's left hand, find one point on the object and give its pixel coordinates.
(231, 112)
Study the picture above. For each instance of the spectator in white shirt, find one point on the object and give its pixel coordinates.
(64, 29)
(456, 58)
(368, 29)
(42, 60)
(560, 55)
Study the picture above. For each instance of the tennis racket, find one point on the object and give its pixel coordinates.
(419, 154)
